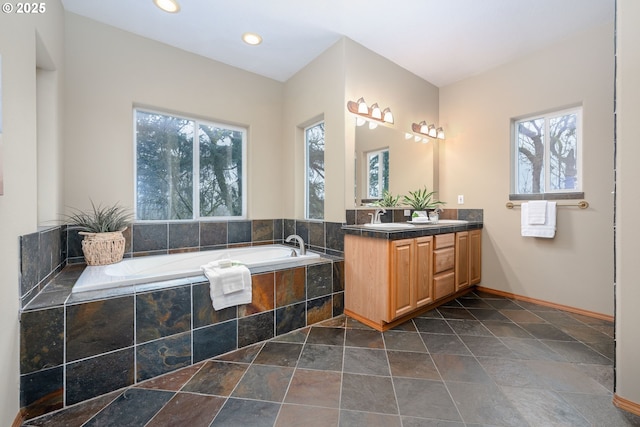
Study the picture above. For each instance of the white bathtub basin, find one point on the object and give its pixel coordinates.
(156, 268)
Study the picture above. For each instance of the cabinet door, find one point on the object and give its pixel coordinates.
(424, 270)
(402, 280)
(475, 256)
(462, 260)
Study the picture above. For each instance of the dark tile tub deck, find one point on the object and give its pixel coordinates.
(481, 360)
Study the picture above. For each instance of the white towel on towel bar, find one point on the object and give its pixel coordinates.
(546, 230)
(229, 283)
(537, 211)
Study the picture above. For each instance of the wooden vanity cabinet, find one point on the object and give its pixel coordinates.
(468, 258)
(475, 256)
(388, 281)
(444, 254)
(462, 260)
(411, 275)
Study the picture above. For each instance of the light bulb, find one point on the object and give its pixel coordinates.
(362, 106)
(170, 6)
(424, 128)
(387, 115)
(251, 38)
(375, 112)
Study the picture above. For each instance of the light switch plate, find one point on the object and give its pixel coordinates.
(460, 199)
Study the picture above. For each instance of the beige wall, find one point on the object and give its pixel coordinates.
(315, 93)
(628, 201)
(109, 71)
(575, 268)
(19, 204)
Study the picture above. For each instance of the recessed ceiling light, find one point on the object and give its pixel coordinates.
(170, 6)
(251, 38)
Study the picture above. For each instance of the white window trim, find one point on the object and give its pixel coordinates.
(577, 110)
(306, 169)
(379, 153)
(196, 168)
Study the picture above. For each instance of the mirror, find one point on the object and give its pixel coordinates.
(409, 164)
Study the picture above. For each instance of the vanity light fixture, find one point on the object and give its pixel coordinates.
(417, 138)
(427, 130)
(373, 115)
(252, 39)
(170, 6)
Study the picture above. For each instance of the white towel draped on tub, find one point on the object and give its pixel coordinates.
(546, 229)
(229, 283)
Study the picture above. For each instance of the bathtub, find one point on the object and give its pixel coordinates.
(156, 268)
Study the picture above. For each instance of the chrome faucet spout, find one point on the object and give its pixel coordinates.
(375, 219)
(303, 250)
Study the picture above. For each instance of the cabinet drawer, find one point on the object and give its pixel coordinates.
(445, 240)
(444, 284)
(444, 259)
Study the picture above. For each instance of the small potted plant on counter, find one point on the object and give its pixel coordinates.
(102, 229)
(421, 200)
(388, 200)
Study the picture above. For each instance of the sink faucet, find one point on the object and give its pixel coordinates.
(375, 218)
(303, 250)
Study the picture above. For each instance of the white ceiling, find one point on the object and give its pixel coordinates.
(442, 41)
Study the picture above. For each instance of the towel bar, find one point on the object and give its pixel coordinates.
(583, 204)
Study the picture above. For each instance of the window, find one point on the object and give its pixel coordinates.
(547, 153)
(187, 168)
(314, 143)
(377, 173)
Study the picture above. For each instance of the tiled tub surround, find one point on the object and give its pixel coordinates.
(76, 348)
(45, 253)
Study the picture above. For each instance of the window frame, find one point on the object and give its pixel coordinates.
(547, 192)
(381, 171)
(195, 164)
(306, 169)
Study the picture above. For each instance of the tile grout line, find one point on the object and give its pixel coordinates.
(295, 368)
(438, 369)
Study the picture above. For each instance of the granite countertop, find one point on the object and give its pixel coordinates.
(416, 230)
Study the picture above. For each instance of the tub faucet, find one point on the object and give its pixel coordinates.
(303, 250)
(375, 218)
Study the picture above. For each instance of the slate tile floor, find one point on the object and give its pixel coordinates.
(480, 360)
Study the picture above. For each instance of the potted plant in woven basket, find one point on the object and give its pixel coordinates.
(102, 229)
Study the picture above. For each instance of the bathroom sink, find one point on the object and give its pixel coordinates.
(452, 221)
(441, 222)
(388, 226)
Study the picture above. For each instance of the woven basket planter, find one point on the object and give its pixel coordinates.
(102, 248)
